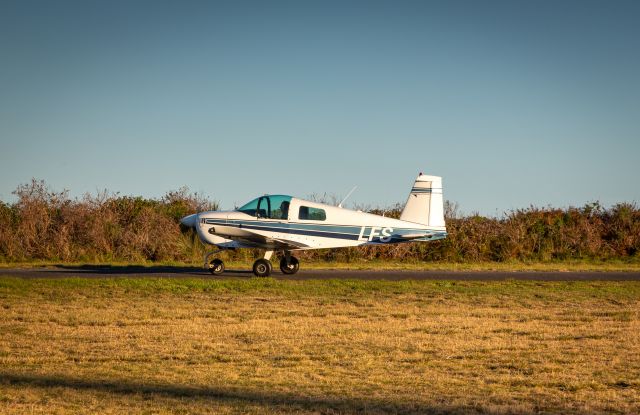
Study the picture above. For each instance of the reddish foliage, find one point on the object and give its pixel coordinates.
(47, 225)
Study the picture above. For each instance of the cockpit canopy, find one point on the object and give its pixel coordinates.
(268, 206)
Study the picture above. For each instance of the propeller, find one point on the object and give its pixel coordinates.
(189, 221)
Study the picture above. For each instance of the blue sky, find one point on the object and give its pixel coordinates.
(513, 103)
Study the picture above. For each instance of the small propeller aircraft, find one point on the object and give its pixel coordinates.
(287, 224)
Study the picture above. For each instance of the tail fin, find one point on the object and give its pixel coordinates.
(425, 204)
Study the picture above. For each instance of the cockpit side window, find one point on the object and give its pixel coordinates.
(280, 206)
(311, 213)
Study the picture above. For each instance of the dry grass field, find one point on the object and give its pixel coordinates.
(127, 345)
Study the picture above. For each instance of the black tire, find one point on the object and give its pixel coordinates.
(216, 267)
(262, 268)
(290, 269)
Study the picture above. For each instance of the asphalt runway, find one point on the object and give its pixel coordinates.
(315, 274)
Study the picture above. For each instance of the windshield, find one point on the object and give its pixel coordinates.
(250, 208)
(270, 207)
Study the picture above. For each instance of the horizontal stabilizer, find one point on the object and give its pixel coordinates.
(412, 236)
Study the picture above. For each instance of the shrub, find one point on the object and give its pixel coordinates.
(47, 225)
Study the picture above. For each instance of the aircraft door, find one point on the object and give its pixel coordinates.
(274, 207)
(280, 207)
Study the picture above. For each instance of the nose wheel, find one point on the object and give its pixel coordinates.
(216, 266)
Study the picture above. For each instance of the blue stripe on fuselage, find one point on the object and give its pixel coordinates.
(348, 232)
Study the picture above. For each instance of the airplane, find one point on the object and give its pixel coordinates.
(287, 224)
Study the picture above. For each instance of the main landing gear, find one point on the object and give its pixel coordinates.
(262, 268)
(289, 264)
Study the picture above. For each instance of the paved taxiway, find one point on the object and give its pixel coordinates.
(317, 274)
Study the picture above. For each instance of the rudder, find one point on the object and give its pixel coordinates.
(425, 204)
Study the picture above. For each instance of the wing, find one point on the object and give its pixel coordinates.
(265, 242)
(287, 244)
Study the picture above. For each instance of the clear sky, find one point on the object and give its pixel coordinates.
(513, 102)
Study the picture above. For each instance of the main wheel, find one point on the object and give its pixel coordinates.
(262, 268)
(216, 267)
(292, 267)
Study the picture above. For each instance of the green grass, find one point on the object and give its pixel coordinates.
(333, 288)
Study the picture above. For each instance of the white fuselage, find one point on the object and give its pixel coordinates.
(334, 227)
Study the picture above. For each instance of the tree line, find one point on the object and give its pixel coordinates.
(106, 227)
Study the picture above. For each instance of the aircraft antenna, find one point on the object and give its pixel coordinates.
(347, 196)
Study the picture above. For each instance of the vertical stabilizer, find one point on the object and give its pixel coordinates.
(425, 204)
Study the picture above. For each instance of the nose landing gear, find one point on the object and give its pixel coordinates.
(216, 267)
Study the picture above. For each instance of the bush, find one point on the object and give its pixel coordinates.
(47, 225)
